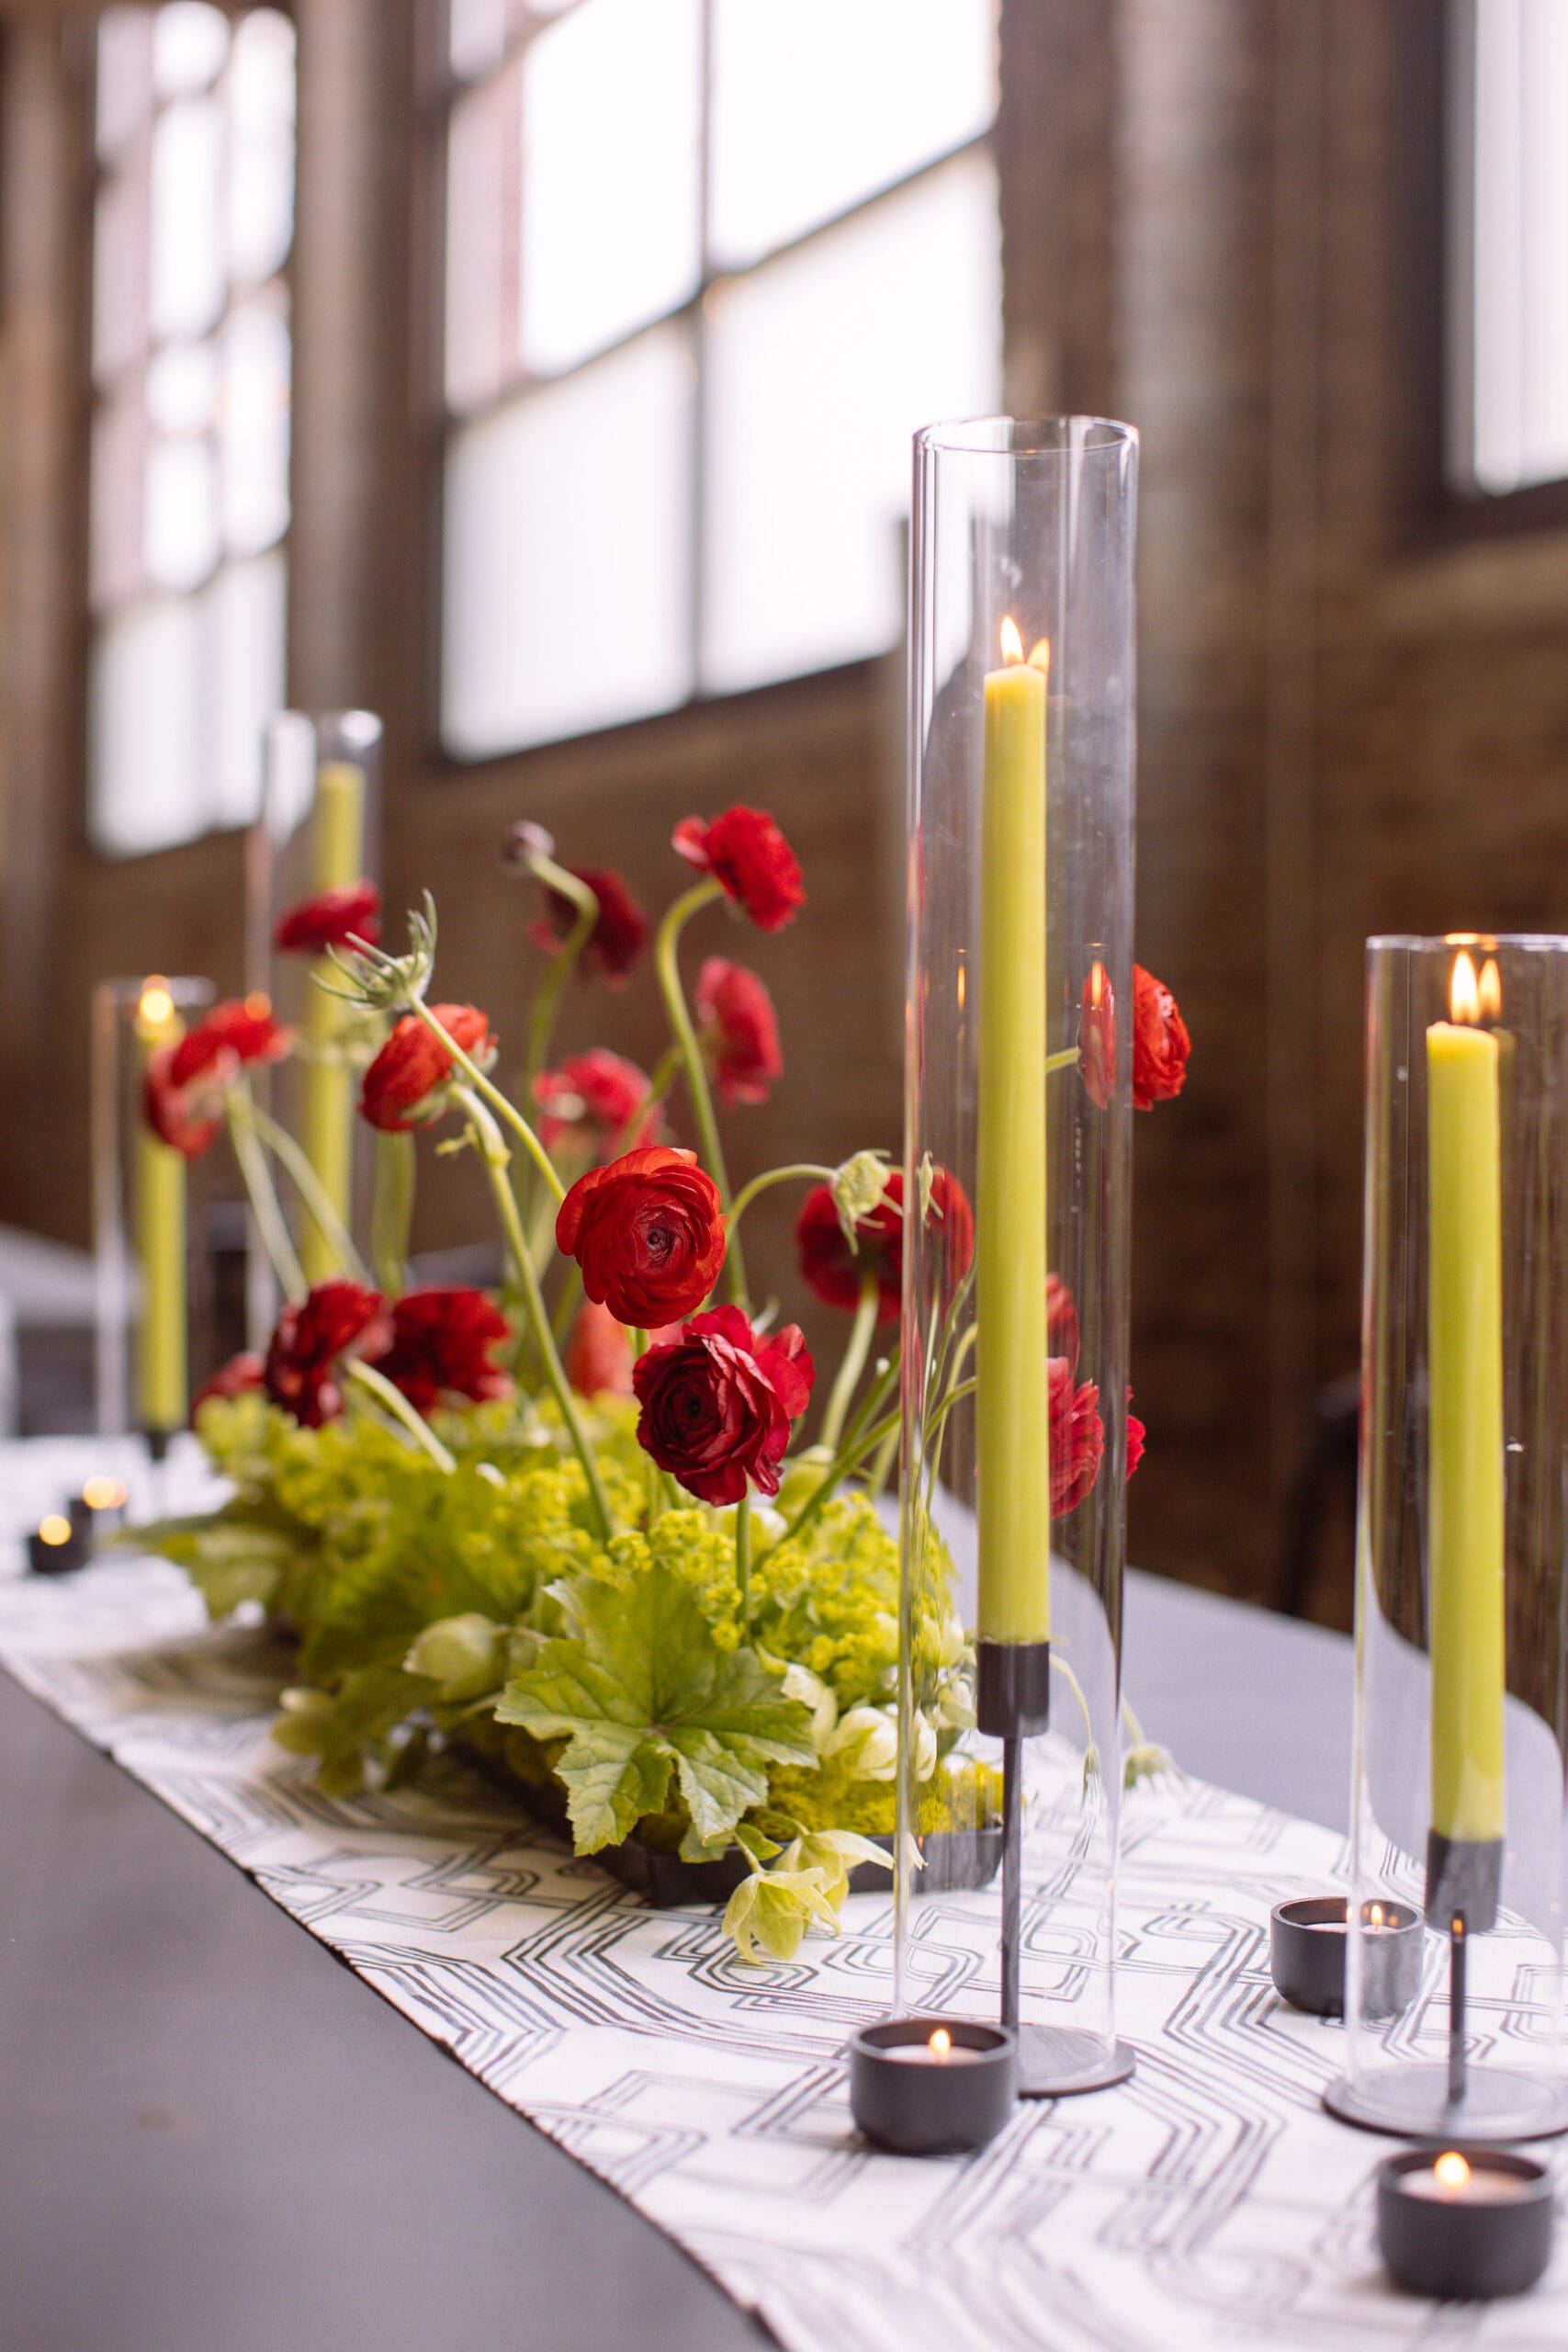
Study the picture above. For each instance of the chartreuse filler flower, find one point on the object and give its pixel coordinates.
(636, 1606)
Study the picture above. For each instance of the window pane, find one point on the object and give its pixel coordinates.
(255, 431)
(119, 269)
(261, 150)
(484, 172)
(566, 581)
(190, 43)
(182, 512)
(611, 118)
(817, 104)
(182, 387)
(1520, 265)
(244, 629)
(125, 76)
(117, 532)
(188, 219)
(476, 36)
(821, 366)
(146, 704)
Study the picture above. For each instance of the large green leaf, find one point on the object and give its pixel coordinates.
(641, 1691)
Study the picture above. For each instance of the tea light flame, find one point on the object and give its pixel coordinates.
(156, 1004)
(1451, 2171)
(1374, 1917)
(55, 1529)
(940, 2044)
(103, 1493)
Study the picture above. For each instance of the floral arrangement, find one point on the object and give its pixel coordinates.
(561, 1532)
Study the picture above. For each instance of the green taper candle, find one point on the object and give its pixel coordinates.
(162, 1380)
(337, 861)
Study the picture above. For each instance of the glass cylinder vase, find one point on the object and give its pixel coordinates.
(151, 1277)
(1461, 1592)
(1014, 1328)
(313, 881)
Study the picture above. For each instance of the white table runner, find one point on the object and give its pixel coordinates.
(1208, 2203)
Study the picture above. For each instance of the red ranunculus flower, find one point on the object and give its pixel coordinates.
(835, 1270)
(590, 1100)
(647, 1232)
(1097, 1037)
(441, 1347)
(1160, 1043)
(745, 851)
(617, 938)
(184, 1087)
(717, 1403)
(338, 1318)
(738, 1031)
(1137, 1436)
(241, 1372)
(330, 920)
(599, 1354)
(1061, 1321)
(1077, 1438)
(406, 1084)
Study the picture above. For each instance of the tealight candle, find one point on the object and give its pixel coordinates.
(1465, 2223)
(98, 1509)
(932, 2086)
(55, 1546)
(1307, 1940)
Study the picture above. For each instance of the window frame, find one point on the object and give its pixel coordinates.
(440, 90)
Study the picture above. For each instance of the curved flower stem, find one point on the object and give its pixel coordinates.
(394, 1402)
(666, 963)
(392, 1210)
(563, 963)
(311, 1190)
(261, 1192)
(885, 1456)
(856, 1349)
(494, 1153)
(798, 1171)
(481, 1085)
(1063, 1060)
(743, 1557)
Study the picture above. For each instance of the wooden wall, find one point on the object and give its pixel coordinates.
(1349, 721)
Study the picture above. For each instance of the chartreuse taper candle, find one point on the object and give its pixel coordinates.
(327, 1114)
(1465, 1459)
(162, 1390)
(1012, 1395)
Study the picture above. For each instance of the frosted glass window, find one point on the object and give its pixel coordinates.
(260, 197)
(190, 41)
(821, 366)
(818, 104)
(125, 76)
(182, 387)
(1512, 364)
(484, 170)
(149, 785)
(182, 514)
(246, 632)
(117, 565)
(566, 580)
(119, 272)
(612, 175)
(188, 272)
(255, 436)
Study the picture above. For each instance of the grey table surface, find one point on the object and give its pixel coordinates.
(214, 2138)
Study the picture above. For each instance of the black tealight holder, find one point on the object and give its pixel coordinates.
(1307, 1943)
(1464, 2223)
(932, 2086)
(66, 1539)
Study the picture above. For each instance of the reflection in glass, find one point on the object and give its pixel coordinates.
(566, 594)
(612, 175)
(816, 106)
(840, 351)
(187, 294)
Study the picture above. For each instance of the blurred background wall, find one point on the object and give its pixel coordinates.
(1243, 224)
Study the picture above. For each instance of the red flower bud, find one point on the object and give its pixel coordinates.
(338, 1318)
(617, 937)
(717, 1404)
(738, 1031)
(406, 1085)
(185, 1083)
(1160, 1043)
(647, 1232)
(591, 1101)
(745, 851)
(599, 1354)
(330, 920)
(441, 1347)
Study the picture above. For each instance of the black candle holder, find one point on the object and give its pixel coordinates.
(932, 2086)
(56, 1546)
(1487, 2232)
(1307, 1945)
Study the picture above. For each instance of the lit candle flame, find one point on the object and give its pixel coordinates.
(55, 1529)
(1489, 990)
(963, 985)
(156, 1004)
(1012, 643)
(940, 2044)
(1040, 655)
(1464, 992)
(1451, 2170)
(1099, 984)
(258, 1004)
(103, 1493)
(1374, 1917)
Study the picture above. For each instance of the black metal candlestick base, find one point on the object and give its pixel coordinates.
(1464, 1880)
(1469, 2248)
(1013, 1703)
(158, 1442)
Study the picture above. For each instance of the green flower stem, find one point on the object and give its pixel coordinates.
(803, 1171)
(666, 961)
(563, 963)
(658, 1086)
(496, 1158)
(857, 1348)
(1063, 1061)
(311, 1190)
(394, 1402)
(743, 1557)
(884, 1459)
(392, 1210)
(256, 1176)
(481, 1085)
